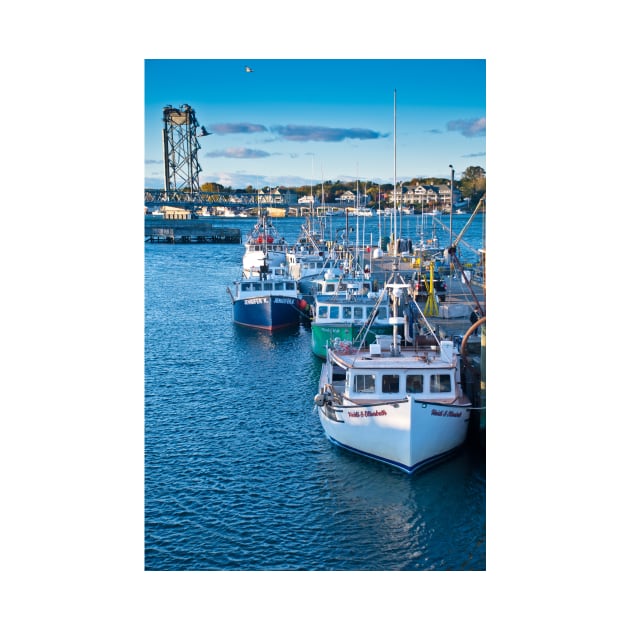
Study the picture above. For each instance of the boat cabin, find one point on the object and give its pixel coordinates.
(365, 385)
(339, 287)
(334, 312)
(253, 288)
(429, 383)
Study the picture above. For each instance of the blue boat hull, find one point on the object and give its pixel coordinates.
(267, 312)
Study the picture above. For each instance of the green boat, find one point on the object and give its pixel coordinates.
(343, 320)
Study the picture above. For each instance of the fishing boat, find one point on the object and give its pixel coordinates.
(345, 311)
(268, 300)
(402, 405)
(311, 256)
(263, 247)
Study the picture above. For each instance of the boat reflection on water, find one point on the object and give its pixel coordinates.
(386, 512)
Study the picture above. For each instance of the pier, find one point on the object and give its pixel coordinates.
(158, 230)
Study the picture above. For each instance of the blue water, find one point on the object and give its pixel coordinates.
(238, 472)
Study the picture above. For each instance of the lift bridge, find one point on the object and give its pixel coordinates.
(181, 169)
(186, 199)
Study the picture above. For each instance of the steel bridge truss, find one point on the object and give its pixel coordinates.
(180, 144)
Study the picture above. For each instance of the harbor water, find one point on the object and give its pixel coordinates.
(238, 472)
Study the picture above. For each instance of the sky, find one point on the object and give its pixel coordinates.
(296, 122)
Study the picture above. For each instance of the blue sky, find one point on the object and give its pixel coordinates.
(295, 122)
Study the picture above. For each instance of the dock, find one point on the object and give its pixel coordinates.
(158, 230)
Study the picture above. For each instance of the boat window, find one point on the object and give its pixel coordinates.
(255, 286)
(390, 383)
(330, 288)
(440, 383)
(246, 286)
(382, 312)
(358, 312)
(414, 383)
(322, 312)
(279, 286)
(347, 312)
(334, 312)
(290, 286)
(364, 383)
(267, 286)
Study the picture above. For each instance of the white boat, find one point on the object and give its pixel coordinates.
(263, 247)
(401, 405)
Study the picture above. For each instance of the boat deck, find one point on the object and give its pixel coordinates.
(453, 316)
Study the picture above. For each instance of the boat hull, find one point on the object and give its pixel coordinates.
(267, 312)
(411, 434)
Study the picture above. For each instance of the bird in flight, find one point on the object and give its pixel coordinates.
(248, 69)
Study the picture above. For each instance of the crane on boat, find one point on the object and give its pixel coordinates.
(478, 207)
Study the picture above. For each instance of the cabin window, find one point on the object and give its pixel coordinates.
(358, 312)
(391, 383)
(322, 312)
(279, 286)
(382, 312)
(290, 286)
(267, 286)
(347, 312)
(364, 383)
(343, 286)
(330, 288)
(334, 312)
(414, 384)
(440, 383)
(255, 286)
(246, 286)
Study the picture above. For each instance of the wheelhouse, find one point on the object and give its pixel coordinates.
(252, 288)
(438, 383)
(350, 312)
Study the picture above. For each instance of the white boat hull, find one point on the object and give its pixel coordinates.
(409, 434)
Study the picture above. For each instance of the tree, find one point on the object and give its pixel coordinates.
(473, 183)
(211, 187)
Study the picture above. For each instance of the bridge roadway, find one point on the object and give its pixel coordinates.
(158, 197)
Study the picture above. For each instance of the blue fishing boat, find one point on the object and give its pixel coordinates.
(268, 300)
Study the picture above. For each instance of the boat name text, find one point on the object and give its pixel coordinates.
(367, 414)
(447, 413)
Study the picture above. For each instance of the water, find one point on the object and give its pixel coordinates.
(238, 472)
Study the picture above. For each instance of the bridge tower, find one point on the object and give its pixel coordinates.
(180, 144)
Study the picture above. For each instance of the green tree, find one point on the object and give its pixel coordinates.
(473, 184)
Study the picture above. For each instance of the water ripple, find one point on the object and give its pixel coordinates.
(238, 472)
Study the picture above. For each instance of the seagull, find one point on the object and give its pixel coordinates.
(248, 69)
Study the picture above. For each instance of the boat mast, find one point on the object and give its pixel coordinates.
(395, 176)
(395, 294)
